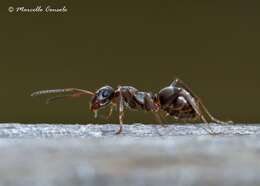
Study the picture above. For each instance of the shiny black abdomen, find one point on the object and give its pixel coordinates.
(135, 99)
(181, 109)
(175, 102)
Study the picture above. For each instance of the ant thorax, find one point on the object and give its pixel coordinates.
(139, 96)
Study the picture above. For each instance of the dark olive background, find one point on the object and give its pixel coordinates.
(211, 45)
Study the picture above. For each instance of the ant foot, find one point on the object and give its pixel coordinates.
(119, 131)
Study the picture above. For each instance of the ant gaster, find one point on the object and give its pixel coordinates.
(175, 100)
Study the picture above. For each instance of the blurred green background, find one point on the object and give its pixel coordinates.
(211, 45)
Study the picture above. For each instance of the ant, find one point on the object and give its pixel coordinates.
(177, 100)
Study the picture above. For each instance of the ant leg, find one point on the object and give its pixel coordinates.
(150, 106)
(208, 129)
(158, 118)
(211, 117)
(195, 106)
(110, 111)
(121, 113)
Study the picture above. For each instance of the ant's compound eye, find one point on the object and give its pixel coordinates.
(105, 93)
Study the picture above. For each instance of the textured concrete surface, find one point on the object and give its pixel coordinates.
(66, 155)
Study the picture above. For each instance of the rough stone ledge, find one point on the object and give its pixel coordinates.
(133, 130)
(79, 155)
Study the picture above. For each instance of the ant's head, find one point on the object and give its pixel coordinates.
(102, 98)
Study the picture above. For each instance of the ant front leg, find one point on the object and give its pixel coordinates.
(110, 111)
(121, 113)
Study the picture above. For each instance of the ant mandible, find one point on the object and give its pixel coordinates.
(177, 100)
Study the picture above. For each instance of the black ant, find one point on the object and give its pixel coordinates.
(176, 100)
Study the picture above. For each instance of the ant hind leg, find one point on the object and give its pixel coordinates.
(199, 102)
